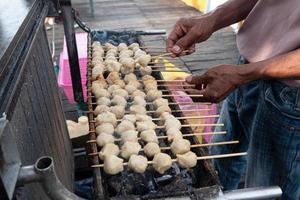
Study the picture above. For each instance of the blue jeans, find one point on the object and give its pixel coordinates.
(265, 117)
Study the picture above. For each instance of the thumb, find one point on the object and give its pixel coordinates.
(186, 41)
(196, 79)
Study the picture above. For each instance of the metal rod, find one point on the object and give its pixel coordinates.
(68, 21)
(254, 193)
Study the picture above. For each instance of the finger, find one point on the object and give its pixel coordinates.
(187, 52)
(192, 48)
(186, 41)
(192, 91)
(199, 80)
(199, 92)
(174, 36)
(206, 95)
(211, 95)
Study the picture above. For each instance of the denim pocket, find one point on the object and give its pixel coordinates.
(283, 98)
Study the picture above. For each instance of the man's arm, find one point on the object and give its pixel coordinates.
(189, 31)
(231, 12)
(219, 81)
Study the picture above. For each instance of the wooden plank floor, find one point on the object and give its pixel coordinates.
(154, 14)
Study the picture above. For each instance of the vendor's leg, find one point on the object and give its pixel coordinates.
(230, 169)
(274, 149)
(237, 114)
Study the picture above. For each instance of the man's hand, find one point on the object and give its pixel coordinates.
(217, 83)
(187, 32)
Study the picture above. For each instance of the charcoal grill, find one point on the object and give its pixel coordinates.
(201, 181)
(27, 61)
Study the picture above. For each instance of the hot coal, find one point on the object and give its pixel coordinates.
(130, 183)
(115, 38)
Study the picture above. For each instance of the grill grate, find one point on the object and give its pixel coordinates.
(150, 184)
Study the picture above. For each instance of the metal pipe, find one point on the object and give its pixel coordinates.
(68, 21)
(44, 173)
(254, 193)
(27, 175)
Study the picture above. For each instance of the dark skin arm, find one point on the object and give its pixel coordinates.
(189, 31)
(218, 82)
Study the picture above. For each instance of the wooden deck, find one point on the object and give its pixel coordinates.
(154, 14)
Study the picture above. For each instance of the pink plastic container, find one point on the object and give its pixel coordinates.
(64, 75)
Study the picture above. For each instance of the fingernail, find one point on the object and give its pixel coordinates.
(176, 48)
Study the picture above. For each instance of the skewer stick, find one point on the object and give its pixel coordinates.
(165, 136)
(142, 47)
(180, 95)
(192, 146)
(177, 103)
(176, 95)
(207, 144)
(185, 117)
(198, 158)
(166, 54)
(161, 80)
(204, 109)
(178, 90)
(166, 70)
(177, 80)
(175, 111)
(191, 117)
(171, 85)
(152, 47)
(192, 125)
(161, 66)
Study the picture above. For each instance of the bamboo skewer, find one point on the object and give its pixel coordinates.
(166, 71)
(178, 90)
(177, 80)
(198, 158)
(180, 95)
(206, 144)
(192, 146)
(165, 136)
(174, 111)
(161, 80)
(176, 95)
(188, 125)
(157, 56)
(141, 47)
(192, 125)
(175, 103)
(191, 117)
(166, 54)
(204, 109)
(185, 117)
(171, 85)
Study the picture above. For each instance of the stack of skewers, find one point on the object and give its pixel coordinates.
(123, 88)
